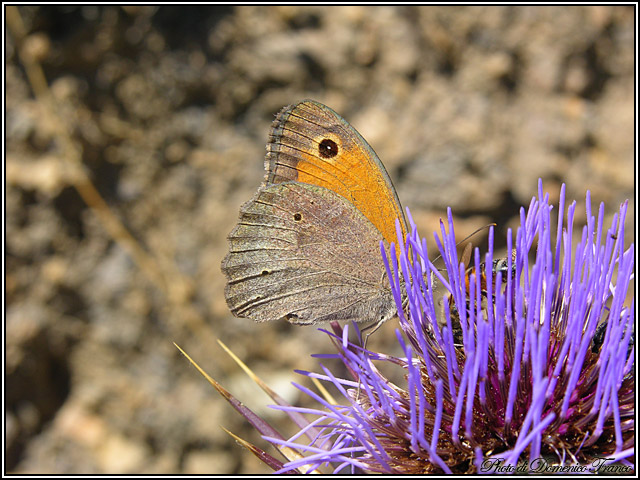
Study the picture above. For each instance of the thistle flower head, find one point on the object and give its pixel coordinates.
(530, 359)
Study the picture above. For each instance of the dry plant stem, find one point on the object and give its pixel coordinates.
(289, 453)
(176, 287)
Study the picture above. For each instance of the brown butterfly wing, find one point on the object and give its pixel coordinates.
(312, 144)
(303, 253)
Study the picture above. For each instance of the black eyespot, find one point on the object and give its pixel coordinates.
(265, 272)
(297, 217)
(328, 148)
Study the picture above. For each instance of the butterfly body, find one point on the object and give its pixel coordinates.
(498, 265)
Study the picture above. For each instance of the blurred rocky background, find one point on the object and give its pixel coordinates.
(163, 113)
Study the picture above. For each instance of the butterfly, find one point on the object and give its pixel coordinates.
(307, 245)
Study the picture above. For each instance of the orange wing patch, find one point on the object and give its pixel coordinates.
(312, 144)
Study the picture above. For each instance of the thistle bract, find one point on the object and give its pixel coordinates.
(524, 368)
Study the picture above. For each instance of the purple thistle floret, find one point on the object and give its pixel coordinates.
(512, 365)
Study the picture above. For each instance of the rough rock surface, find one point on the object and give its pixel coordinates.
(168, 110)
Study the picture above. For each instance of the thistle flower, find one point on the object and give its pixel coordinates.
(542, 381)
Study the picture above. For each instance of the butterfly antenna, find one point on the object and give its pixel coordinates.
(467, 238)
